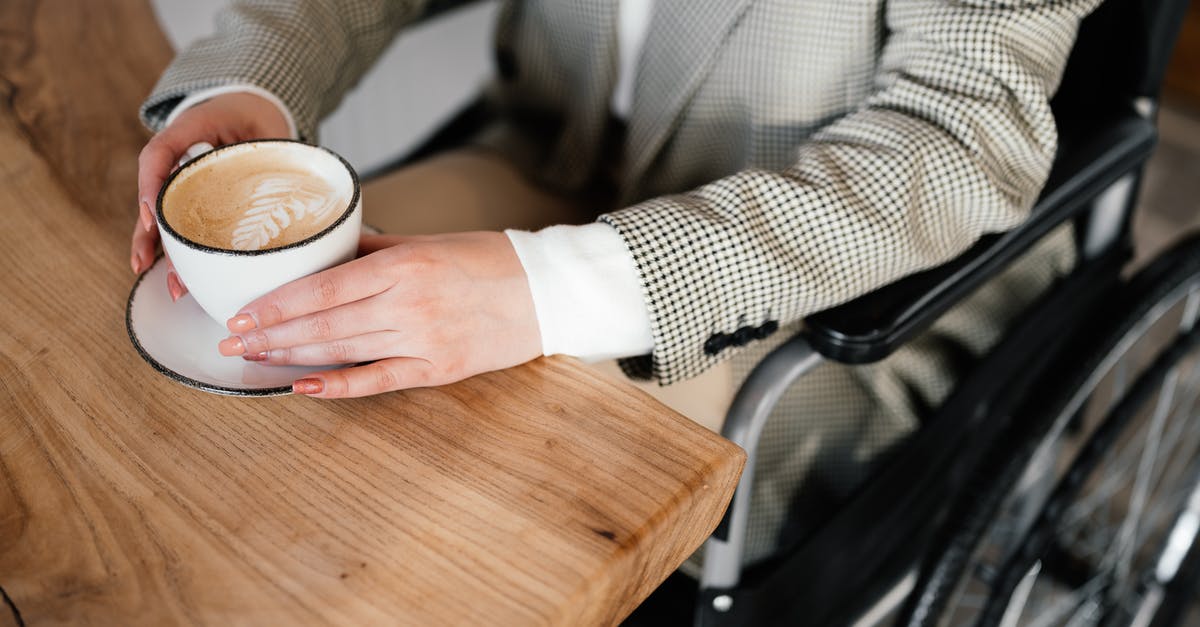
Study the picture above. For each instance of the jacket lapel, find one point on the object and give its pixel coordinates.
(583, 40)
(681, 46)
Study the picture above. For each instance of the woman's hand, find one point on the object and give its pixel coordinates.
(221, 120)
(425, 310)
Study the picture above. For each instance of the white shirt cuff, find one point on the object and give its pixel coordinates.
(197, 97)
(586, 291)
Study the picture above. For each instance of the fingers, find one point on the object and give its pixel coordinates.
(175, 286)
(349, 282)
(155, 162)
(220, 120)
(355, 319)
(145, 217)
(193, 151)
(141, 254)
(386, 375)
(352, 350)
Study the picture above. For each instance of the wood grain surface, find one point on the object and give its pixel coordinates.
(544, 494)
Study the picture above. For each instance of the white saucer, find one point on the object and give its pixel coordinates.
(179, 340)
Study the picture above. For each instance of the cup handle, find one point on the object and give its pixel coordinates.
(193, 151)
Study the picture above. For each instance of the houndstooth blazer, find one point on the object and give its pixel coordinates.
(784, 155)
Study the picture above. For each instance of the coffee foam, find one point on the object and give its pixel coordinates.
(258, 195)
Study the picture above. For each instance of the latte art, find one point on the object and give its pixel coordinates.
(253, 199)
(276, 204)
(246, 218)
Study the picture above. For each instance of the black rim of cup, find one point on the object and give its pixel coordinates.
(162, 192)
(186, 380)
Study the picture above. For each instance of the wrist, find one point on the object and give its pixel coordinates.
(266, 113)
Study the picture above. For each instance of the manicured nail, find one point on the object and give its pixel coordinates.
(241, 323)
(146, 217)
(174, 286)
(256, 357)
(231, 346)
(308, 386)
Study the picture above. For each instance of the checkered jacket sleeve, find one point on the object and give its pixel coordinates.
(308, 53)
(957, 141)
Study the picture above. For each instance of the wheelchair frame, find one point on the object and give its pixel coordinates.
(1094, 182)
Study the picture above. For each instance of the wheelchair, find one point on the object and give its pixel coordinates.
(1059, 484)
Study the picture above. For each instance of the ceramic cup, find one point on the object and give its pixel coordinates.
(223, 280)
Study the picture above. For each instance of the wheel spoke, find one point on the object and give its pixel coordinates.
(1191, 311)
(1069, 602)
(1179, 452)
(1085, 614)
(1141, 482)
(1180, 539)
(1101, 495)
(1147, 605)
(1185, 420)
(1120, 382)
(1182, 463)
(1130, 445)
(1124, 457)
(1020, 596)
(1192, 393)
(1170, 504)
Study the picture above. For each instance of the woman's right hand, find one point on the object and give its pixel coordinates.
(223, 119)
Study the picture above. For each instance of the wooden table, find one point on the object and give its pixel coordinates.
(544, 494)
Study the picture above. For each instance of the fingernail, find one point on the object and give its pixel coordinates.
(308, 386)
(231, 346)
(146, 217)
(135, 263)
(256, 357)
(241, 323)
(174, 286)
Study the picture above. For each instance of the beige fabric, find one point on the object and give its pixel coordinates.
(704, 398)
(464, 190)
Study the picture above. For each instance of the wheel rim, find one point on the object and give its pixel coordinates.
(1133, 517)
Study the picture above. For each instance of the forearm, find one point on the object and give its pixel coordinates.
(956, 142)
(308, 53)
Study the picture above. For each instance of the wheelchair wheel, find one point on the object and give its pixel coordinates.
(1089, 514)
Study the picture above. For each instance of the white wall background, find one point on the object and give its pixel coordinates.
(425, 76)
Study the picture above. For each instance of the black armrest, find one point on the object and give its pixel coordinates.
(1093, 154)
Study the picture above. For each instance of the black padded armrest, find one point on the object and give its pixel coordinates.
(1093, 154)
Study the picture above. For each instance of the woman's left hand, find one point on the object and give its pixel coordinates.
(425, 310)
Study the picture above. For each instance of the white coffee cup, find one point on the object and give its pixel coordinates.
(223, 280)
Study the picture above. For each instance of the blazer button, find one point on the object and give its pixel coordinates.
(715, 344)
(767, 328)
(743, 336)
